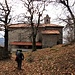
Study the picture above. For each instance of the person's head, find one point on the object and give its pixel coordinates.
(19, 51)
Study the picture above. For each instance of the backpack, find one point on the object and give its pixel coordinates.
(19, 56)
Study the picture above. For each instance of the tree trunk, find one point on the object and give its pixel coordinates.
(34, 43)
(6, 53)
(72, 15)
(6, 39)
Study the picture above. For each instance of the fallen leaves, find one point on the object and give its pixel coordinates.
(55, 61)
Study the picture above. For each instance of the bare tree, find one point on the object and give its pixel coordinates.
(70, 19)
(68, 28)
(5, 20)
(34, 10)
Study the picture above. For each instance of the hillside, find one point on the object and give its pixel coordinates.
(59, 60)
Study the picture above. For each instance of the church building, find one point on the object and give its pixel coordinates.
(48, 35)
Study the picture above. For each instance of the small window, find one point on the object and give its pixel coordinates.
(47, 20)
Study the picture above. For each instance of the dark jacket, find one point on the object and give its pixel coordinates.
(19, 56)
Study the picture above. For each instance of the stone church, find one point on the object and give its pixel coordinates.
(48, 35)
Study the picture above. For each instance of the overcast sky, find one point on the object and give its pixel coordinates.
(52, 10)
(18, 8)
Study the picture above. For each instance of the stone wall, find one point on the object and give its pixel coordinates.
(60, 30)
(49, 40)
(23, 34)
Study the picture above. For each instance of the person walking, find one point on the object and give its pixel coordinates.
(19, 58)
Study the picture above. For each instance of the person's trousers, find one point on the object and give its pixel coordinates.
(19, 64)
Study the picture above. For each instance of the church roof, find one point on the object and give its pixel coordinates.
(25, 43)
(50, 32)
(50, 25)
(18, 25)
(27, 25)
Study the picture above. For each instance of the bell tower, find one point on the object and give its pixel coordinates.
(47, 19)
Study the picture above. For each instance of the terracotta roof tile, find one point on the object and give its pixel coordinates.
(27, 25)
(43, 25)
(50, 32)
(18, 25)
(25, 43)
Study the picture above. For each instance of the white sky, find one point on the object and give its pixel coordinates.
(18, 8)
(52, 10)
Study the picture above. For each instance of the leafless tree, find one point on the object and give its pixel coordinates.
(34, 9)
(68, 28)
(70, 18)
(5, 20)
